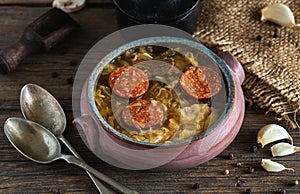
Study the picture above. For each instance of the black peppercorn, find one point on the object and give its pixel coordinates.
(226, 172)
(259, 37)
(230, 156)
(62, 50)
(276, 34)
(248, 191)
(72, 63)
(296, 182)
(238, 164)
(70, 80)
(253, 149)
(54, 74)
(282, 191)
(250, 170)
(196, 186)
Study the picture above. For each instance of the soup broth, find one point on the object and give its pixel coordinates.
(160, 95)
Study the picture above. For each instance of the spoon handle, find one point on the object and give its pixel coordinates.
(101, 188)
(75, 161)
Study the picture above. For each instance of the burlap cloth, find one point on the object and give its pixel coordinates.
(272, 65)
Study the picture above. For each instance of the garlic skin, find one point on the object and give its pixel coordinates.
(283, 149)
(279, 14)
(69, 6)
(272, 166)
(271, 133)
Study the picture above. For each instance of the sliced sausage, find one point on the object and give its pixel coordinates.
(129, 82)
(143, 114)
(201, 82)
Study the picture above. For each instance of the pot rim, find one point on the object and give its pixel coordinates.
(164, 19)
(96, 72)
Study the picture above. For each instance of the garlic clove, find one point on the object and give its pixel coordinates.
(271, 133)
(283, 149)
(279, 14)
(272, 166)
(69, 6)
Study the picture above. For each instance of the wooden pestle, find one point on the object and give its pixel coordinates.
(41, 35)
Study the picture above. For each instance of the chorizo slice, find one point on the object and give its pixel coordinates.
(201, 82)
(143, 114)
(128, 82)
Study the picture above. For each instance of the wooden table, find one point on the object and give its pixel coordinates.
(98, 19)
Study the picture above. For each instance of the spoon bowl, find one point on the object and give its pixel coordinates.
(32, 140)
(38, 105)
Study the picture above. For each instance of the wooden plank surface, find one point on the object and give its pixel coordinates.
(46, 2)
(19, 175)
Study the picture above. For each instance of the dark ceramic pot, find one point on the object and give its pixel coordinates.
(177, 13)
(122, 151)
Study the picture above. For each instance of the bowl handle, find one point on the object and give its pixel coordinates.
(234, 65)
(87, 124)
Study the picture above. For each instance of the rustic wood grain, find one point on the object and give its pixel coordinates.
(19, 175)
(45, 2)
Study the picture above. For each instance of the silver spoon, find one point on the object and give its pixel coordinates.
(40, 145)
(38, 105)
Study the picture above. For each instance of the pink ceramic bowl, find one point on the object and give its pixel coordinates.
(121, 151)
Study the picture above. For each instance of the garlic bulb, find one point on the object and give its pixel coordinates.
(271, 133)
(69, 6)
(272, 166)
(279, 14)
(283, 149)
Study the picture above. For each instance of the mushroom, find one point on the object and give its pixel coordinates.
(69, 6)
